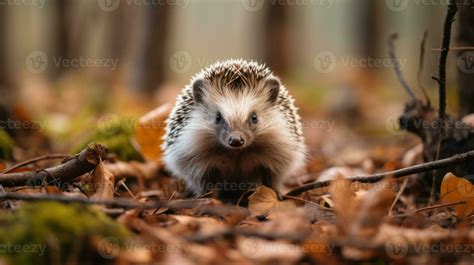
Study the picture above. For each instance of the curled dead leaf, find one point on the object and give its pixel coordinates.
(264, 201)
(454, 189)
(103, 182)
(150, 130)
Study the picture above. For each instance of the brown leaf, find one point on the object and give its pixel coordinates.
(344, 201)
(150, 130)
(103, 183)
(454, 189)
(264, 201)
(360, 215)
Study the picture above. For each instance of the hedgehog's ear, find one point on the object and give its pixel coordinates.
(273, 86)
(198, 90)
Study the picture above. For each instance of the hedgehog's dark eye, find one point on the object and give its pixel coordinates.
(254, 118)
(218, 118)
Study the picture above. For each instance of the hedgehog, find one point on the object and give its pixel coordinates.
(233, 127)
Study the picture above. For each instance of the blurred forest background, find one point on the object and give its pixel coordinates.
(66, 65)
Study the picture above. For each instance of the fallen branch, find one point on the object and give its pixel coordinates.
(33, 160)
(72, 167)
(203, 204)
(456, 159)
(115, 203)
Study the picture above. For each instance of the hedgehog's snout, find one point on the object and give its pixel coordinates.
(236, 140)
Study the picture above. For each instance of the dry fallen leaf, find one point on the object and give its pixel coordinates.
(360, 214)
(264, 201)
(344, 201)
(454, 189)
(103, 183)
(149, 131)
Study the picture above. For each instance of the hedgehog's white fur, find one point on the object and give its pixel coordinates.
(236, 89)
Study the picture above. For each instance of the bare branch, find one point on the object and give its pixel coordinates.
(115, 203)
(398, 71)
(457, 159)
(421, 66)
(34, 160)
(73, 167)
(452, 10)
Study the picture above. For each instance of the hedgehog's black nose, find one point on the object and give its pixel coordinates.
(236, 141)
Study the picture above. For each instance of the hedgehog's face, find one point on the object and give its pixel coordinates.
(235, 118)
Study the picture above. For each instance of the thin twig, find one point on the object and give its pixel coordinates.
(452, 10)
(115, 203)
(306, 201)
(428, 208)
(424, 167)
(34, 160)
(10, 204)
(438, 206)
(421, 66)
(399, 194)
(122, 183)
(75, 166)
(467, 48)
(398, 71)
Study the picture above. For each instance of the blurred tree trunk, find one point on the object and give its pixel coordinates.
(466, 58)
(276, 39)
(369, 28)
(63, 36)
(156, 35)
(118, 33)
(3, 46)
(118, 39)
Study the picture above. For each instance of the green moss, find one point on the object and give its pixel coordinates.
(6, 145)
(39, 233)
(116, 133)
